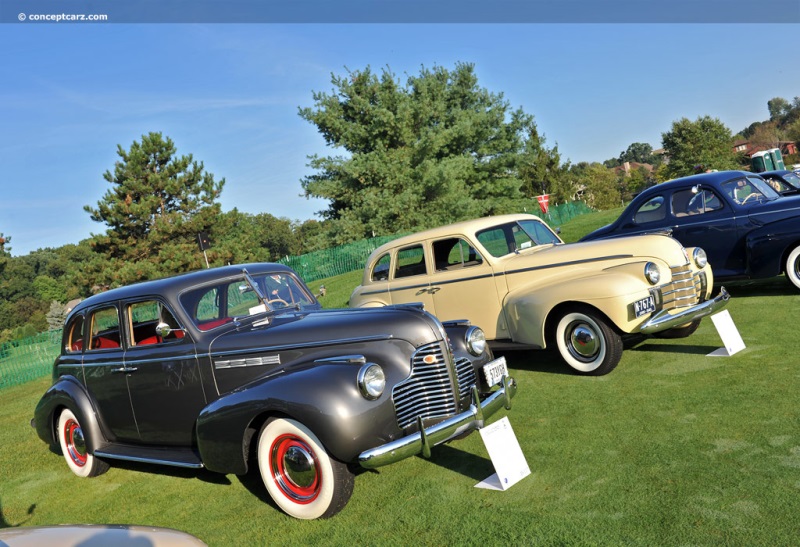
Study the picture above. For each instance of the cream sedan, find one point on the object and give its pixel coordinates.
(517, 279)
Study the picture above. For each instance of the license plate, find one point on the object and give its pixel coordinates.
(494, 371)
(645, 305)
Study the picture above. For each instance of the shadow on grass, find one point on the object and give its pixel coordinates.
(203, 475)
(5, 524)
(671, 348)
(535, 360)
(774, 286)
(253, 484)
(458, 461)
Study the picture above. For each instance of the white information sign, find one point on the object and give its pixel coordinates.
(506, 455)
(729, 333)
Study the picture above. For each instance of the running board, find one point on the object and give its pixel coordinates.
(175, 457)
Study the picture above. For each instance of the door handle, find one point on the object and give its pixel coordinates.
(434, 290)
(124, 370)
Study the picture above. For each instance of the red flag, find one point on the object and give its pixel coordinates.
(543, 202)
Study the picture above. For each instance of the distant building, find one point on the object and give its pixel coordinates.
(748, 149)
(630, 166)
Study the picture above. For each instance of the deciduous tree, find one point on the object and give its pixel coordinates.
(697, 146)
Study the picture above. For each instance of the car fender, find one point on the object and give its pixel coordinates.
(323, 396)
(611, 292)
(768, 246)
(67, 392)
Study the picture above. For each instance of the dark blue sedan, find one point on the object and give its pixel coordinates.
(747, 229)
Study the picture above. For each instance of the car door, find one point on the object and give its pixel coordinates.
(463, 286)
(164, 380)
(105, 373)
(409, 280)
(702, 217)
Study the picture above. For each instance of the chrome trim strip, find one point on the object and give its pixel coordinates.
(350, 359)
(186, 465)
(249, 362)
(666, 319)
(421, 441)
(322, 343)
(560, 264)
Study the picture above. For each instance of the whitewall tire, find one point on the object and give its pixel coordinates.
(73, 447)
(587, 344)
(793, 267)
(300, 476)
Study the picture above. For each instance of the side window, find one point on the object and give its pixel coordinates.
(410, 261)
(143, 317)
(73, 335)
(494, 241)
(453, 253)
(208, 306)
(240, 299)
(104, 329)
(687, 202)
(380, 272)
(652, 210)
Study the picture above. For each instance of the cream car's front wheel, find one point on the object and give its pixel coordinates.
(587, 343)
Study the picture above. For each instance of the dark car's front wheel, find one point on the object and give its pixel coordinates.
(792, 267)
(74, 447)
(587, 343)
(300, 476)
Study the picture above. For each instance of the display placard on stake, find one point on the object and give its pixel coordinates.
(506, 455)
(729, 333)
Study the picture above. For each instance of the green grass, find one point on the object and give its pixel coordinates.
(671, 448)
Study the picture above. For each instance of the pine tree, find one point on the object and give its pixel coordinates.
(157, 205)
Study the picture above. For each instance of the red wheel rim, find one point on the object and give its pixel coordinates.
(295, 469)
(76, 444)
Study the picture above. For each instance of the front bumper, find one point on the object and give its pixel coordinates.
(422, 441)
(667, 319)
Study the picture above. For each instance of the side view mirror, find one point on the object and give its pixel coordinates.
(164, 330)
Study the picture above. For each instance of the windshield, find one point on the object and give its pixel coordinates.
(749, 190)
(516, 236)
(792, 179)
(213, 305)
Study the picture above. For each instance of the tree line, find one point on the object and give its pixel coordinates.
(408, 154)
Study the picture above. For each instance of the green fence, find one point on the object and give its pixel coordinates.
(31, 358)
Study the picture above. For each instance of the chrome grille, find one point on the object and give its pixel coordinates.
(428, 391)
(466, 376)
(683, 291)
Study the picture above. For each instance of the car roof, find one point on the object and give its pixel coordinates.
(779, 172)
(463, 227)
(716, 177)
(177, 283)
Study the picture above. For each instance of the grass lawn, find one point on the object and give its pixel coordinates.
(671, 448)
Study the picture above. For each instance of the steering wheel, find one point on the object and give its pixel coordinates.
(280, 301)
(750, 195)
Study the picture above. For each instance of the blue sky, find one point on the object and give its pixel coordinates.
(229, 94)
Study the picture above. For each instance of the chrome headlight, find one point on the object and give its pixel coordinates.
(371, 381)
(476, 340)
(652, 273)
(700, 257)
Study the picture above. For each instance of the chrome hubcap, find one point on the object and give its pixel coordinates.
(584, 343)
(295, 469)
(299, 467)
(76, 444)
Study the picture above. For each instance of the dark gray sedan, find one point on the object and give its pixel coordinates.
(239, 366)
